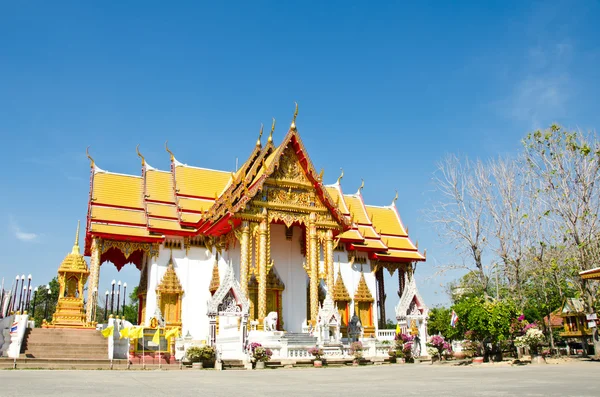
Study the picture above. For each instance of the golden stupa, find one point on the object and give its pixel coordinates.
(72, 276)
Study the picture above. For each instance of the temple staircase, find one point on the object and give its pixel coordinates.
(64, 343)
(300, 339)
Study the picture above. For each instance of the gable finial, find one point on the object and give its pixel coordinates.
(168, 151)
(259, 135)
(272, 129)
(362, 185)
(395, 198)
(341, 176)
(87, 153)
(293, 125)
(137, 149)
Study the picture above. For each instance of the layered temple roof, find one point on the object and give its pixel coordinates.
(189, 201)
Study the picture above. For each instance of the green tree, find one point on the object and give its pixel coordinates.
(439, 321)
(131, 308)
(488, 319)
(44, 302)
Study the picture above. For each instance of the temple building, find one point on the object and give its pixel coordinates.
(273, 226)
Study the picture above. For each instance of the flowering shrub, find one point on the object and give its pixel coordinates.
(316, 351)
(356, 349)
(259, 353)
(533, 338)
(200, 353)
(437, 346)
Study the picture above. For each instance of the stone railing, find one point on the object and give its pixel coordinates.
(386, 334)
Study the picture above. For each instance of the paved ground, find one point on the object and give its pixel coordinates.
(579, 379)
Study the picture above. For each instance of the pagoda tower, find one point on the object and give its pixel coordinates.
(72, 276)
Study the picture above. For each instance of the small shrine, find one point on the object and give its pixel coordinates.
(328, 322)
(412, 314)
(72, 275)
(574, 319)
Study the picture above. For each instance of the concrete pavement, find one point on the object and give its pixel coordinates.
(576, 379)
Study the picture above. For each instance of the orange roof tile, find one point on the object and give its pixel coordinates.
(355, 206)
(200, 182)
(122, 230)
(195, 204)
(159, 186)
(165, 224)
(401, 254)
(399, 243)
(165, 210)
(118, 190)
(108, 214)
(351, 234)
(189, 217)
(385, 220)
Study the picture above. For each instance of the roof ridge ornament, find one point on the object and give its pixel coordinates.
(260, 135)
(395, 198)
(293, 125)
(362, 185)
(272, 129)
(87, 153)
(168, 151)
(137, 149)
(341, 176)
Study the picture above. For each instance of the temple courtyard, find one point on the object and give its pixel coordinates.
(569, 379)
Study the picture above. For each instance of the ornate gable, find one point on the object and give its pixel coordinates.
(170, 282)
(340, 293)
(411, 303)
(228, 297)
(363, 294)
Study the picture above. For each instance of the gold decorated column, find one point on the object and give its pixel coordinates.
(329, 261)
(262, 269)
(245, 258)
(93, 280)
(313, 261)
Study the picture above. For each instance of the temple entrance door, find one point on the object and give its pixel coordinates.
(275, 289)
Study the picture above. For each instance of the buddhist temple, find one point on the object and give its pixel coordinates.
(285, 234)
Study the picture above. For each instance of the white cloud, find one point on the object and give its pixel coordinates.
(20, 234)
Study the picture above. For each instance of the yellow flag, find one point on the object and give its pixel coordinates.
(136, 332)
(156, 337)
(124, 333)
(172, 333)
(108, 331)
(398, 330)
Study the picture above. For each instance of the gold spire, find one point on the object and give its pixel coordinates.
(137, 149)
(87, 153)
(215, 282)
(259, 135)
(272, 129)
(340, 293)
(170, 152)
(341, 176)
(75, 249)
(293, 125)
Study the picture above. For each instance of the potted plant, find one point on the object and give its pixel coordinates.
(438, 348)
(356, 350)
(260, 355)
(207, 356)
(194, 355)
(533, 338)
(318, 353)
(393, 355)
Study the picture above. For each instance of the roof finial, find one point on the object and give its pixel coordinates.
(362, 185)
(137, 149)
(395, 198)
(341, 176)
(87, 153)
(259, 135)
(272, 129)
(75, 249)
(293, 125)
(168, 151)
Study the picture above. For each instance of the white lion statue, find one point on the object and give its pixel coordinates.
(270, 322)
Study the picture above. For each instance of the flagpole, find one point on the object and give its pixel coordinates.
(159, 362)
(143, 350)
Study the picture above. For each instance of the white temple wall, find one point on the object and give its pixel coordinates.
(288, 259)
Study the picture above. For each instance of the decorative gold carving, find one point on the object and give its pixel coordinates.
(169, 293)
(313, 265)
(94, 276)
(329, 259)
(363, 294)
(127, 247)
(340, 293)
(215, 281)
(293, 125)
(262, 269)
(245, 257)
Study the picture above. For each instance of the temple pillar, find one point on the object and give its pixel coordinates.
(313, 261)
(329, 261)
(381, 297)
(262, 269)
(245, 258)
(93, 280)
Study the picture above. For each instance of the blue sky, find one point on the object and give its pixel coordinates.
(385, 90)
